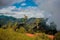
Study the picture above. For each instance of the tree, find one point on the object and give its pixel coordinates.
(37, 21)
(42, 25)
(15, 25)
(53, 28)
(25, 17)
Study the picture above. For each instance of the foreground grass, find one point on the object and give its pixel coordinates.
(10, 34)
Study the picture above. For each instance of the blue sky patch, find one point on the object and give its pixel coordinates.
(25, 4)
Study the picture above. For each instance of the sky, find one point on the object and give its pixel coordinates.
(32, 8)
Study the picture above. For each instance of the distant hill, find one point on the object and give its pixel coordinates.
(5, 19)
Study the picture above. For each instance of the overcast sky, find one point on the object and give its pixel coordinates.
(32, 8)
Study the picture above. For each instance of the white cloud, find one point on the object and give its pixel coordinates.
(30, 12)
(23, 4)
(7, 10)
(52, 6)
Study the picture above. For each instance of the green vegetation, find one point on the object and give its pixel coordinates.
(42, 36)
(14, 29)
(10, 34)
(21, 30)
(57, 36)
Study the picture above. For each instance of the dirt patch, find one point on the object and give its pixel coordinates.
(51, 37)
(33, 35)
(30, 35)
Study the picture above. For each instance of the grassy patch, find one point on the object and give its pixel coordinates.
(10, 34)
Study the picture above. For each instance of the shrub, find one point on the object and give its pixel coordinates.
(31, 31)
(57, 36)
(21, 30)
(42, 36)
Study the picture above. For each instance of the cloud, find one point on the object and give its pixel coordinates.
(30, 12)
(6, 10)
(53, 7)
(9, 2)
(23, 4)
(50, 7)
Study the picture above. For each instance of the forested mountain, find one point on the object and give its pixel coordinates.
(28, 23)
